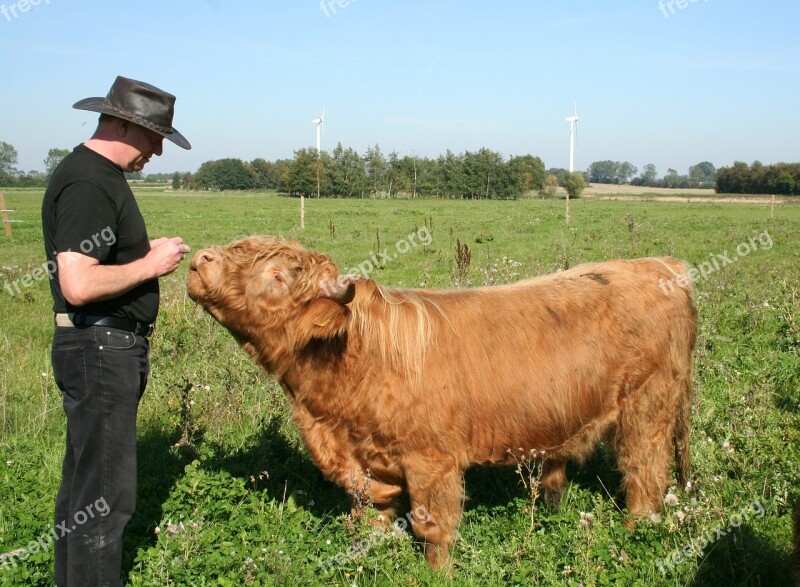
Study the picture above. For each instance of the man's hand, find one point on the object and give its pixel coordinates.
(166, 256)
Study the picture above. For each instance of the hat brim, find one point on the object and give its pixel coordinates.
(99, 105)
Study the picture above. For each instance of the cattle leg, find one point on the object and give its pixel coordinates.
(384, 500)
(337, 463)
(387, 513)
(365, 490)
(437, 499)
(645, 466)
(554, 475)
(644, 445)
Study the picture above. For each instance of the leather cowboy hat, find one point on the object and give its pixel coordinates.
(141, 104)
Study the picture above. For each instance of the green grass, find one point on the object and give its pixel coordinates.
(227, 481)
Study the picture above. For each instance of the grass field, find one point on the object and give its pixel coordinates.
(226, 481)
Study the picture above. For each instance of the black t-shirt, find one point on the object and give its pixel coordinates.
(88, 208)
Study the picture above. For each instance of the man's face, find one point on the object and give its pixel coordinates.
(143, 144)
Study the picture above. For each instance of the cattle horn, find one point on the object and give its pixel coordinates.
(339, 290)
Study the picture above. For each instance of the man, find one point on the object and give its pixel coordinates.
(105, 292)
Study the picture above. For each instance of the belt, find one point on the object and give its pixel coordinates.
(86, 320)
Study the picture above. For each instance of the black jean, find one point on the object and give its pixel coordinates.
(102, 373)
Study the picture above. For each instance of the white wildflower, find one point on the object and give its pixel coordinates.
(586, 520)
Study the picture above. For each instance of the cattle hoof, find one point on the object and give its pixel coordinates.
(631, 520)
(438, 557)
(553, 499)
(381, 521)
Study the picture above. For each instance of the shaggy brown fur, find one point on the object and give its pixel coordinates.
(411, 387)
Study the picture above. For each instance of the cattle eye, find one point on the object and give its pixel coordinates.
(279, 277)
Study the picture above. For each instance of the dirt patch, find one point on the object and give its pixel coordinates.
(706, 196)
(763, 201)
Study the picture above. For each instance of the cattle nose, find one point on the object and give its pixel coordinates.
(200, 258)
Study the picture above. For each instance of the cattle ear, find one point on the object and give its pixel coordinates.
(324, 318)
(326, 315)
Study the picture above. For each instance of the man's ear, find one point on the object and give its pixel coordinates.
(125, 125)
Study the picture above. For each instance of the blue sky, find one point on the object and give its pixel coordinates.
(708, 80)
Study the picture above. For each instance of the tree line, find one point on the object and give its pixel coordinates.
(345, 173)
(11, 176)
(472, 174)
(741, 178)
(480, 174)
(702, 175)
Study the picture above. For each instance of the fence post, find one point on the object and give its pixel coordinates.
(6, 219)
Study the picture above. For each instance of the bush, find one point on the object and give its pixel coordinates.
(574, 184)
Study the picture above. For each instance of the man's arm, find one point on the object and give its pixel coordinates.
(83, 279)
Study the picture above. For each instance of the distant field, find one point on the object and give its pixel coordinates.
(227, 482)
(599, 189)
(611, 191)
(594, 190)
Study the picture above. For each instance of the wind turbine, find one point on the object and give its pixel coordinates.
(573, 134)
(319, 122)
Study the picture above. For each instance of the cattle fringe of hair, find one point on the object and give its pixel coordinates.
(399, 327)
